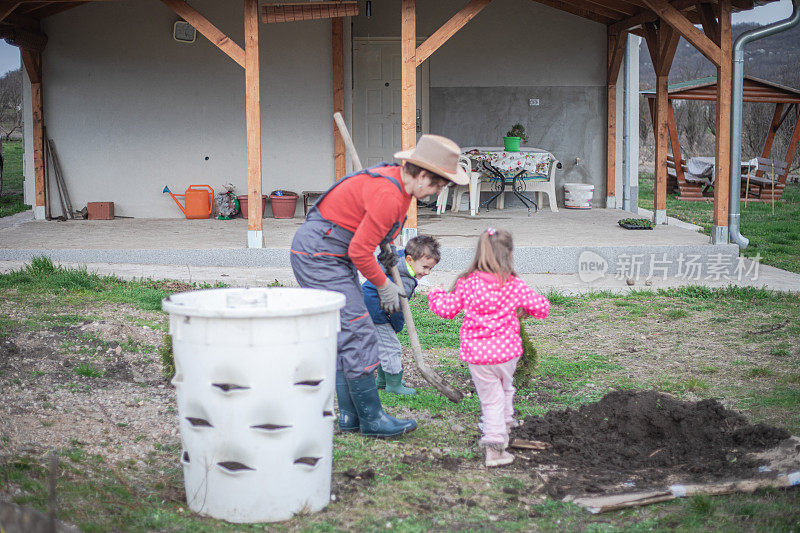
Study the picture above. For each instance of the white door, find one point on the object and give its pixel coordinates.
(377, 114)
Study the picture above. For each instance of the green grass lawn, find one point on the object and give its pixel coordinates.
(11, 201)
(776, 238)
(738, 345)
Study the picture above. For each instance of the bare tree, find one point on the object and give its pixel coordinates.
(11, 103)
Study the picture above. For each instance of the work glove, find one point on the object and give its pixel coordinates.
(388, 257)
(389, 294)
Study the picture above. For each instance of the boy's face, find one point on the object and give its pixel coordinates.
(422, 266)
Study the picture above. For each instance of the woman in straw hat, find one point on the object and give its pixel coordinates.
(338, 240)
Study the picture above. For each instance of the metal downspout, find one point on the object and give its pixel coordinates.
(736, 120)
(626, 144)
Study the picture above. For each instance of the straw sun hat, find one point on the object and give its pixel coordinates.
(439, 155)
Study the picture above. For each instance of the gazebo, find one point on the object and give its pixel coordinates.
(787, 105)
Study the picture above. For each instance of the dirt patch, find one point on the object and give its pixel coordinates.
(644, 439)
(94, 386)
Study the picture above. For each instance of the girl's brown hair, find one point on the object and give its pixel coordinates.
(493, 255)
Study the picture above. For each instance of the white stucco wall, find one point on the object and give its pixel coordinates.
(501, 44)
(132, 110)
(482, 78)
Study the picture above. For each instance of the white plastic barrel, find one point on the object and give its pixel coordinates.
(578, 195)
(255, 381)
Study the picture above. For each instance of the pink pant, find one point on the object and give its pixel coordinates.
(495, 387)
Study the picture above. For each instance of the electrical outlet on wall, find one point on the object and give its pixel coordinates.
(533, 102)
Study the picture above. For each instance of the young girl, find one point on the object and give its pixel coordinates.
(490, 293)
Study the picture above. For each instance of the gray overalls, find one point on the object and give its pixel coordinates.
(319, 261)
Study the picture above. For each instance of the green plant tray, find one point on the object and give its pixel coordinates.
(629, 225)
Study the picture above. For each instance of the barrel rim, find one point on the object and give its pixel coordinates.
(335, 301)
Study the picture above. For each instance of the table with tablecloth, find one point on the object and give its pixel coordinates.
(504, 168)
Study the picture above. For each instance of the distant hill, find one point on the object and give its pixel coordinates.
(775, 58)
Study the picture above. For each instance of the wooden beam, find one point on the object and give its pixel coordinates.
(48, 10)
(616, 52)
(33, 66)
(709, 21)
(577, 11)
(337, 53)
(449, 28)
(668, 45)
(208, 30)
(786, 113)
(58, 1)
(253, 120)
(24, 38)
(773, 128)
(722, 166)
(675, 143)
(653, 48)
(295, 12)
(408, 46)
(598, 7)
(6, 8)
(688, 31)
(620, 9)
(649, 16)
(792, 148)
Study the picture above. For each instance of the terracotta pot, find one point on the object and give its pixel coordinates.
(283, 206)
(243, 204)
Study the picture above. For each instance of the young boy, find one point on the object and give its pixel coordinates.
(416, 261)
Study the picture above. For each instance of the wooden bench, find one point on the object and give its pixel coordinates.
(681, 182)
(765, 180)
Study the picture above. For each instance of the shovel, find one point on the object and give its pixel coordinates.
(427, 372)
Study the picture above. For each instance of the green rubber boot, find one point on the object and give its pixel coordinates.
(380, 378)
(395, 385)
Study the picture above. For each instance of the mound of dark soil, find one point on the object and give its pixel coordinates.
(643, 439)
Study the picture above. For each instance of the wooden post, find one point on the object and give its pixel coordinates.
(773, 128)
(675, 142)
(255, 235)
(722, 153)
(337, 51)
(33, 66)
(792, 147)
(408, 46)
(662, 136)
(616, 51)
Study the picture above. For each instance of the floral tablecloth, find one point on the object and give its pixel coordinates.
(536, 163)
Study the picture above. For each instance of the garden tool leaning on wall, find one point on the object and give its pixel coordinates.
(427, 372)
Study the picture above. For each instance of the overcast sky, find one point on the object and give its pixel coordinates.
(9, 55)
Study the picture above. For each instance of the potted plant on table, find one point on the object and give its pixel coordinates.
(514, 137)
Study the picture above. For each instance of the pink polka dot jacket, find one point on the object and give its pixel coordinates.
(490, 331)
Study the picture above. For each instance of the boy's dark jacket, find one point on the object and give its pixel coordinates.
(372, 301)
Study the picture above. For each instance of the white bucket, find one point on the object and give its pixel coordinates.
(578, 195)
(255, 379)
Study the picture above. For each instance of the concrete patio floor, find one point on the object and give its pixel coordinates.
(596, 227)
(544, 242)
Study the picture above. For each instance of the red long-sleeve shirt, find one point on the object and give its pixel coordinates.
(368, 207)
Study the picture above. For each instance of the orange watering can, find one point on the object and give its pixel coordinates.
(198, 201)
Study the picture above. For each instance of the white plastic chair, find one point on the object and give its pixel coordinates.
(548, 187)
(458, 191)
